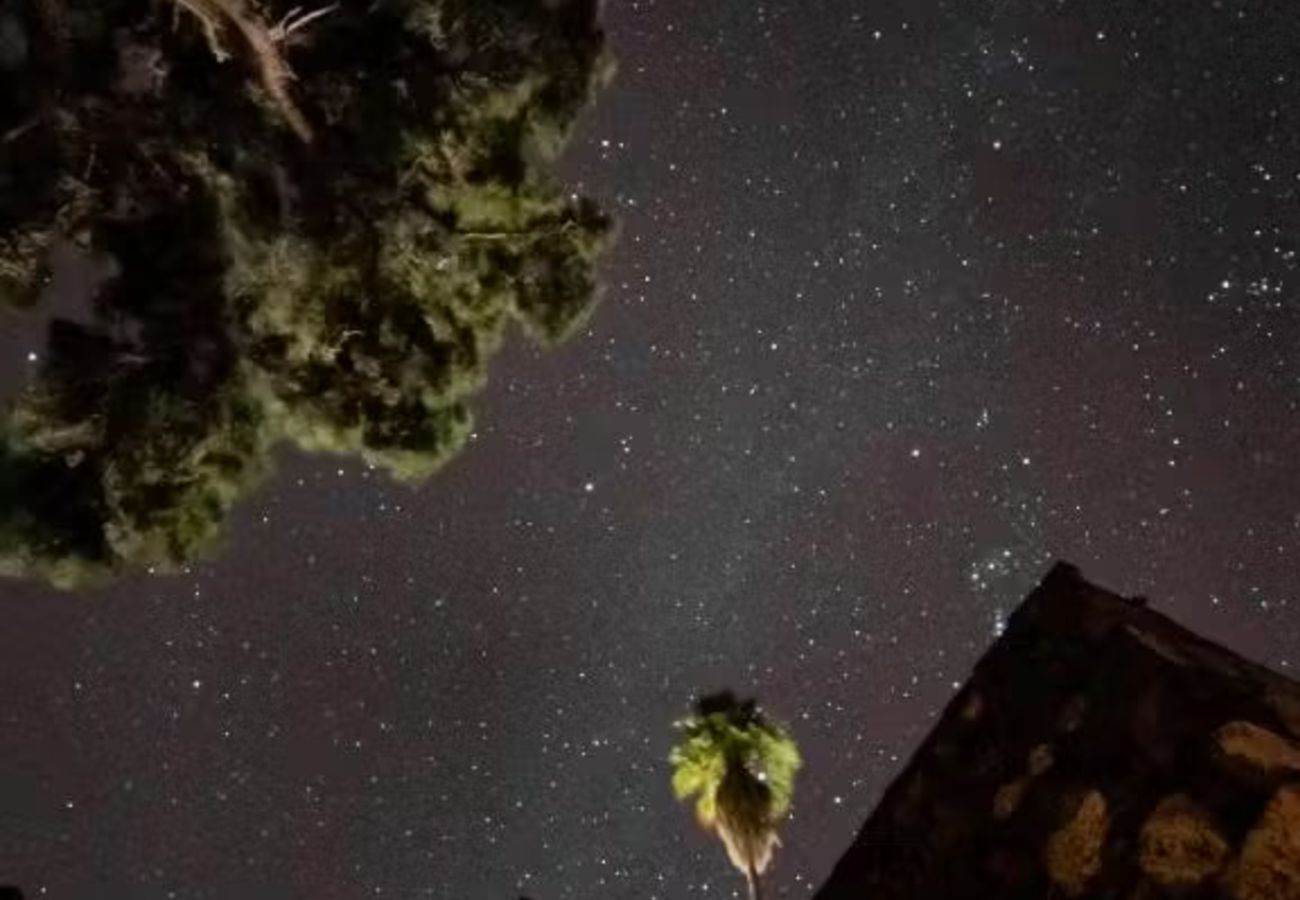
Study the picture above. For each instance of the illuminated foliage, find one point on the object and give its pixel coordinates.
(740, 770)
(330, 260)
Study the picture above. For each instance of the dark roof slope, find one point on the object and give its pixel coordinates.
(1098, 750)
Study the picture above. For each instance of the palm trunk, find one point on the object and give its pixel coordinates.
(752, 877)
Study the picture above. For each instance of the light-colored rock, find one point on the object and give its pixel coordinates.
(1180, 845)
(1073, 852)
(1262, 749)
(1269, 868)
(1007, 799)
(1040, 760)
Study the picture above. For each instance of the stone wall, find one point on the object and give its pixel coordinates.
(1098, 751)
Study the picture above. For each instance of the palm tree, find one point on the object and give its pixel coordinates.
(740, 769)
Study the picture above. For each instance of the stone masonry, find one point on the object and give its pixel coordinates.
(1099, 750)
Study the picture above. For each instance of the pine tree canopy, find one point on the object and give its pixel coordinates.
(319, 225)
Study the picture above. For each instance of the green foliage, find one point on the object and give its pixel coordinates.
(740, 770)
(345, 294)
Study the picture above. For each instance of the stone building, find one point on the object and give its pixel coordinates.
(1099, 750)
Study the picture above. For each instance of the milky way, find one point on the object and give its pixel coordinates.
(909, 300)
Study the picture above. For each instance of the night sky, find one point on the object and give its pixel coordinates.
(910, 299)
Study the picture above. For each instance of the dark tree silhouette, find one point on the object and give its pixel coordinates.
(330, 258)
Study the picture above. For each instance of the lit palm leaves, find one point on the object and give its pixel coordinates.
(740, 769)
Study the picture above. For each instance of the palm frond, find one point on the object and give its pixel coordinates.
(740, 768)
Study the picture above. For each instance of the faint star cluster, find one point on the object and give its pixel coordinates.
(909, 300)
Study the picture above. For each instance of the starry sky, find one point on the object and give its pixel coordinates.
(910, 299)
